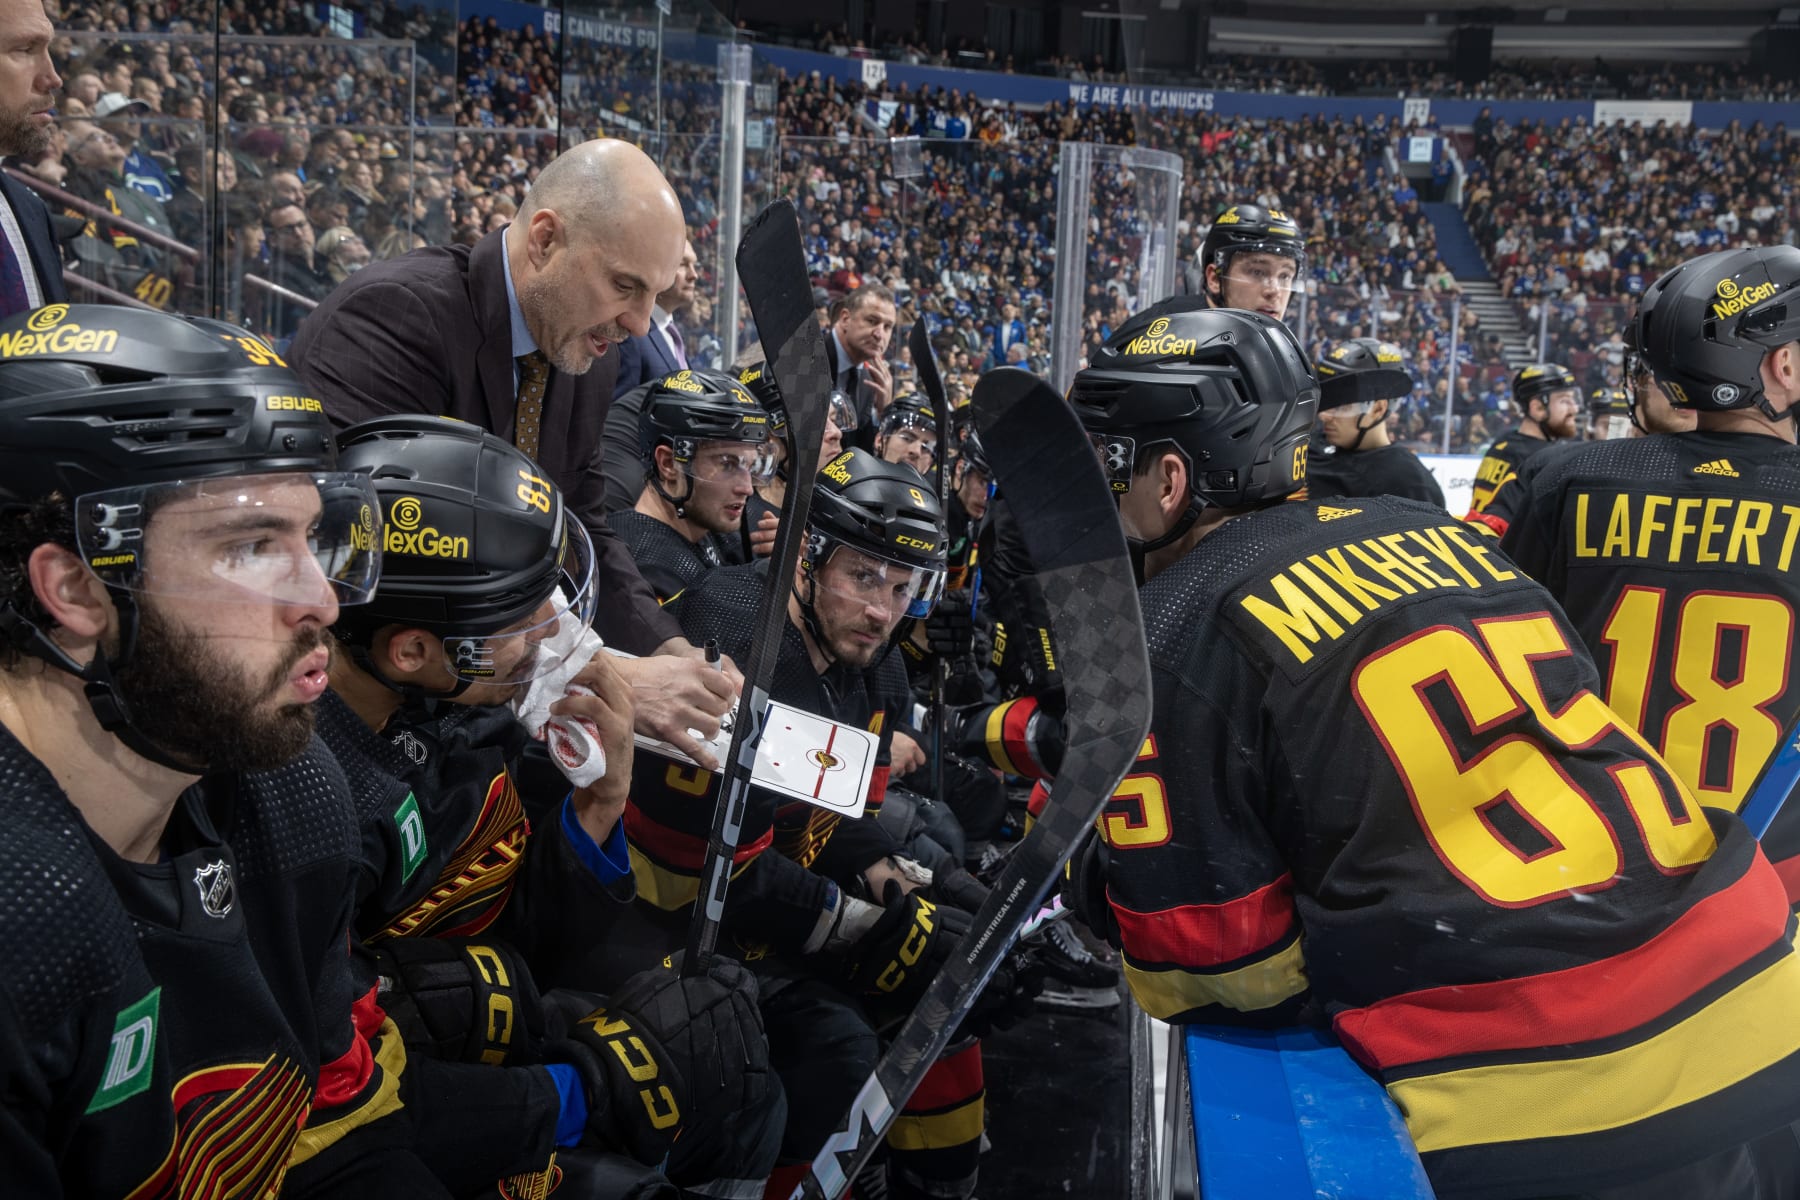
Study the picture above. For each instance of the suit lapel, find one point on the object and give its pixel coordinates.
(494, 357)
(35, 227)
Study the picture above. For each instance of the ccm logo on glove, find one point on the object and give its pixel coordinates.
(616, 1034)
(914, 945)
(499, 1004)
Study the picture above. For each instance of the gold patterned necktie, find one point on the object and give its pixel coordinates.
(528, 419)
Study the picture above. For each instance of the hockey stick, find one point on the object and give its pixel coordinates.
(1775, 786)
(1046, 464)
(932, 384)
(771, 263)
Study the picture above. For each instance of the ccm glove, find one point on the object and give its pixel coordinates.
(950, 629)
(459, 1001)
(670, 1059)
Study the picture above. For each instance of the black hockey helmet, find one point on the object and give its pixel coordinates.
(1705, 326)
(1252, 228)
(480, 549)
(881, 510)
(760, 382)
(913, 411)
(1609, 401)
(689, 407)
(1229, 389)
(1538, 380)
(1361, 369)
(127, 413)
(972, 452)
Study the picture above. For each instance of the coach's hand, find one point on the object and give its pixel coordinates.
(675, 690)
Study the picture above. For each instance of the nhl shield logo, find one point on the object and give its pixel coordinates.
(218, 890)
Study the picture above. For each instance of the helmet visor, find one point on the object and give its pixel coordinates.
(723, 462)
(904, 589)
(1263, 271)
(296, 538)
(842, 413)
(543, 640)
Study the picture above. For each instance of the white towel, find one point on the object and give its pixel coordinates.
(574, 741)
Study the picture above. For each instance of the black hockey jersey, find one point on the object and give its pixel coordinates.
(187, 1027)
(1502, 461)
(668, 562)
(776, 897)
(1380, 788)
(1384, 471)
(1673, 556)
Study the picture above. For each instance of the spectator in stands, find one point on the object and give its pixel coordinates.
(83, 87)
(187, 208)
(294, 265)
(342, 252)
(121, 117)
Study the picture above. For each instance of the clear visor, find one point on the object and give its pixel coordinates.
(1117, 454)
(913, 436)
(543, 641)
(1607, 427)
(297, 538)
(843, 413)
(1267, 268)
(723, 462)
(902, 589)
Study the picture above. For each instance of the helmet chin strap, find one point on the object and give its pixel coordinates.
(678, 504)
(809, 617)
(98, 685)
(1140, 549)
(1362, 431)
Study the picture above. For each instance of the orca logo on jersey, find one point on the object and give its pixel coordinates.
(532, 1185)
(218, 891)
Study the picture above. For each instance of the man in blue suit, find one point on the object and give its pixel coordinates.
(661, 351)
(30, 265)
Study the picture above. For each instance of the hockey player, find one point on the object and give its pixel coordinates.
(1357, 378)
(1253, 258)
(909, 434)
(762, 513)
(1671, 553)
(1493, 889)
(705, 444)
(1609, 415)
(1651, 411)
(465, 908)
(175, 998)
(828, 906)
(1547, 399)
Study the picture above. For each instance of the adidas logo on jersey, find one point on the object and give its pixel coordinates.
(1328, 513)
(1718, 466)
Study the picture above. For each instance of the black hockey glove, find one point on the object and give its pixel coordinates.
(1027, 664)
(669, 1062)
(950, 629)
(1084, 889)
(459, 1001)
(893, 964)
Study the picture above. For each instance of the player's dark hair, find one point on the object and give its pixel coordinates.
(47, 519)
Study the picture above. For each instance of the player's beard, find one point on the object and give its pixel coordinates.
(22, 137)
(195, 704)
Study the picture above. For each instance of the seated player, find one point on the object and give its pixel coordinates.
(1357, 379)
(705, 444)
(1609, 415)
(175, 995)
(827, 914)
(908, 434)
(762, 513)
(475, 875)
(1387, 796)
(1547, 398)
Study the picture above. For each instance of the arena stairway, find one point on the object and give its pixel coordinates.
(1462, 254)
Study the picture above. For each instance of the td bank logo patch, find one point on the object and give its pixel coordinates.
(131, 1057)
(412, 835)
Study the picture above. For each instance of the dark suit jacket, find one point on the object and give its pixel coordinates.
(642, 359)
(430, 332)
(34, 223)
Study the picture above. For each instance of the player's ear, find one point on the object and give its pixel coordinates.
(69, 592)
(1171, 480)
(1781, 373)
(406, 652)
(666, 470)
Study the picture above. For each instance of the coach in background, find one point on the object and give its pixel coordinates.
(1357, 379)
(513, 335)
(30, 268)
